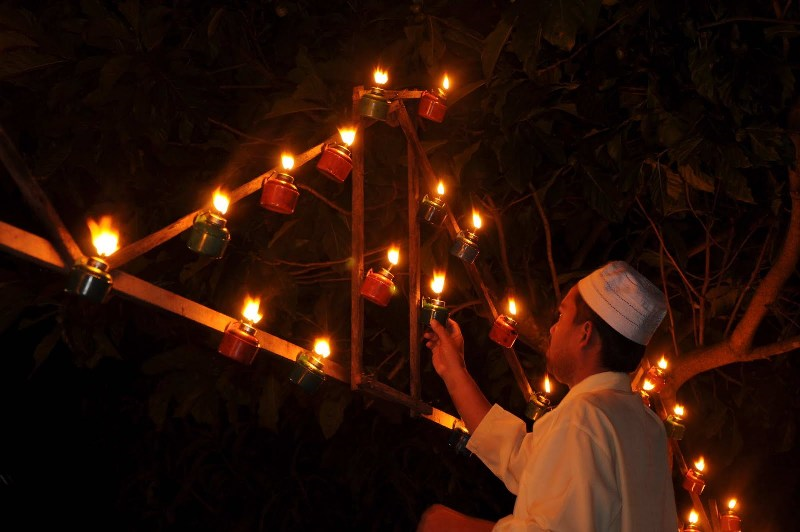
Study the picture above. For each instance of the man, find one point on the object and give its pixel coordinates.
(598, 461)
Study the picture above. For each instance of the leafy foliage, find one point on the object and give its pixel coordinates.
(632, 122)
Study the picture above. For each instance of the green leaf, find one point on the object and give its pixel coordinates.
(735, 185)
(21, 61)
(155, 24)
(494, 44)
(696, 178)
(331, 411)
(13, 39)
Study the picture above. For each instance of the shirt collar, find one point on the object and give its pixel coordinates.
(607, 380)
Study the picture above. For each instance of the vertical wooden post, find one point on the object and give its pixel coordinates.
(357, 251)
(413, 273)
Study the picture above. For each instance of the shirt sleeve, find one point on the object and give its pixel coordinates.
(564, 480)
(497, 441)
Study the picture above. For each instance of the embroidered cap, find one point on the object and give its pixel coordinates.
(625, 299)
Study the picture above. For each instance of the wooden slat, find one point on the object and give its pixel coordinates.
(375, 388)
(38, 202)
(357, 253)
(453, 229)
(131, 251)
(413, 262)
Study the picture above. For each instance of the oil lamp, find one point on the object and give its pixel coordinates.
(278, 192)
(335, 161)
(433, 307)
(432, 104)
(539, 404)
(729, 521)
(691, 523)
(90, 278)
(693, 482)
(465, 246)
(432, 210)
(378, 286)
(308, 371)
(504, 331)
(209, 236)
(239, 341)
(675, 428)
(657, 375)
(374, 103)
(459, 438)
(645, 390)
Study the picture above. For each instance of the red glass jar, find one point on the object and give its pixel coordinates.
(504, 331)
(239, 342)
(335, 162)
(432, 105)
(279, 194)
(377, 286)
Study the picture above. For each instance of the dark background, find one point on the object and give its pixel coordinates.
(122, 416)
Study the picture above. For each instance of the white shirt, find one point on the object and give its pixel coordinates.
(597, 462)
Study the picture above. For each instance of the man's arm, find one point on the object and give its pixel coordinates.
(440, 518)
(447, 348)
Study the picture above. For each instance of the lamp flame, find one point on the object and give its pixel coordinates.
(287, 161)
(322, 348)
(546, 383)
(251, 311)
(647, 385)
(678, 409)
(700, 464)
(446, 82)
(437, 284)
(105, 237)
(476, 220)
(693, 517)
(731, 504)
(662, 363)
(440, 189)
(221, 201)
(512, 306)
(381, 76)
(348, 135)
(394, 255)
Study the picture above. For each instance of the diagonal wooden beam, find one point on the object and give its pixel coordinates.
(453, 229)
(37, 200)
(131, 251)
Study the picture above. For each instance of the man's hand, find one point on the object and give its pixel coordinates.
(447, 347)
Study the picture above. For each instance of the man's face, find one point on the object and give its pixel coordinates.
(563, 353)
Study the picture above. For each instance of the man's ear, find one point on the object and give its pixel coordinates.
(587, 329)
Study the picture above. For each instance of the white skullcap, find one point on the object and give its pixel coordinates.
(625, 299)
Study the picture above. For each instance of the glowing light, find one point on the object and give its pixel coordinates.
(647, 385)
(348, 135)
(546, 384)
(512, 307)
(322, 348)
(105, 237)
(437, 284)
(731, 504)
(476, 220)
(287, 161)
(693, 517)
(700, 465)
(251, 311)
(662, 363)
(381, 76)
(440, 189)
(394, 255)
(678, 409)
(446, 82)
(221, 201)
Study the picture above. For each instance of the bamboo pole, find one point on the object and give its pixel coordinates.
(38, 202)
